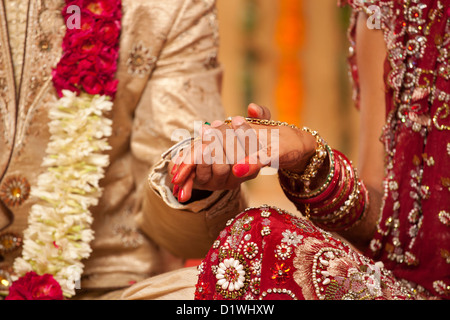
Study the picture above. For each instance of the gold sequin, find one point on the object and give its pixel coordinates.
(14, 191)
(9, 242)
(5, 281)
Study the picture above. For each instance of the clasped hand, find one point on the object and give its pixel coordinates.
(226, 154)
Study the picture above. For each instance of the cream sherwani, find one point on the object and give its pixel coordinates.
(168, 78)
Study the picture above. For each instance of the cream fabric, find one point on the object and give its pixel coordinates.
(175, 285)
(168, 78)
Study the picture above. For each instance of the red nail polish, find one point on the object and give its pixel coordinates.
(175, 189)
(174, 168)
(240, 170)
(181, 195)
(175, 178)
(253, 113)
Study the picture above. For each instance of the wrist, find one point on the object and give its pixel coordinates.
(336, 200)
(308, 175)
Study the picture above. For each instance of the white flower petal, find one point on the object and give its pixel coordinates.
(225, 285)
(221, 282)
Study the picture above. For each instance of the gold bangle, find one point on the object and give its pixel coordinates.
(314, 164)
(296, 181)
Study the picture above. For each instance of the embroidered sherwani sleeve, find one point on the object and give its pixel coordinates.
(184, 87)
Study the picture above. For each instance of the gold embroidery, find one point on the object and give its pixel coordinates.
(126, 230)
(45, 31)
(326, 272)
(9, 242)
(16, 16)
(5, 280)
(445, 110)
(140, 61)
(14, 191)
(7, 96)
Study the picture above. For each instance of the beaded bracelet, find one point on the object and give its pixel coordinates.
(296, 183)
(315, 163)
(265, 122)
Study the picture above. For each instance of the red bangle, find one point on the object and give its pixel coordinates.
(331, 187)
(328, 206)
(354, 215)
(289, 183)
(348, 178)
(344, 214)
(341, 203)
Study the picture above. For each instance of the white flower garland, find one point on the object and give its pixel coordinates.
(59, 230)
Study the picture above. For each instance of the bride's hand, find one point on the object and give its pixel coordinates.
(236, 153)
(202, 173)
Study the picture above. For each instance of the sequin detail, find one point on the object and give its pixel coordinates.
(140, 61)
(14, 191)
(295, 260)
(9, 242)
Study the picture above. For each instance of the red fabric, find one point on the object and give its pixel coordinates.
(413, 232)
(282, 257)
(414, 235)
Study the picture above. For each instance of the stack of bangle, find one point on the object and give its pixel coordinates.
(337, 203)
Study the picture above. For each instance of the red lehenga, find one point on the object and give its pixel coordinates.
(266, 253)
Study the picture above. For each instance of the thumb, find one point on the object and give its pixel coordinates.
(258, 112)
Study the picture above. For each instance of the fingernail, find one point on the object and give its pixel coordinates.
(175, 189)
(174, 179)
(181, 195)
(238, 121)
(216, 123)
(174, 168)
(240, 170)
(253, 111)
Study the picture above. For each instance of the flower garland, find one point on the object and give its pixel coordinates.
(59, 227)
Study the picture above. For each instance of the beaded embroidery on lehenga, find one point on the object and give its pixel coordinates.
(266, 253)
(413, 231)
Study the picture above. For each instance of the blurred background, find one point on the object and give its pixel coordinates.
(290, 56)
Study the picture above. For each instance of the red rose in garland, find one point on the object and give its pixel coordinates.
(90, 59)
(35, 287)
